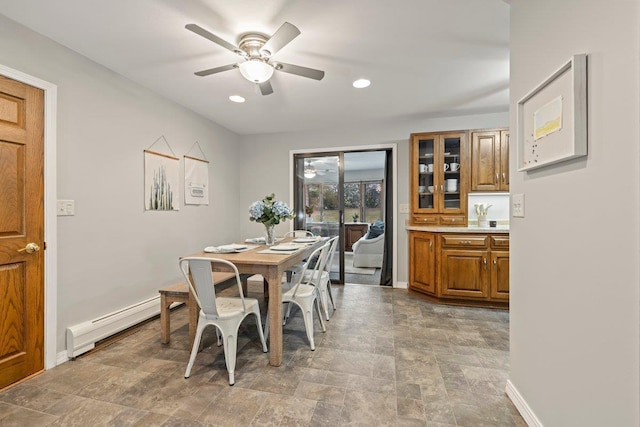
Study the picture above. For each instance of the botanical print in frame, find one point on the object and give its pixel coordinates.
(161, 182)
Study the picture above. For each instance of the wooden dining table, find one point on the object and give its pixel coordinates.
(271, 266)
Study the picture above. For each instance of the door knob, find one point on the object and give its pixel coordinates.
(30, 248)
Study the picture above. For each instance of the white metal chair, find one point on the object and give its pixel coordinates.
(323, 280)
(225, 313)
(305, 295)
(297, 268)
(298, 233)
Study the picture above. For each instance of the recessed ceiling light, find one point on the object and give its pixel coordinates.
(236, 98)
(361, 83)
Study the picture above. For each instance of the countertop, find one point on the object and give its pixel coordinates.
(469, 229)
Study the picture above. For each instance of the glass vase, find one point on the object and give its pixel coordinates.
(269, 235)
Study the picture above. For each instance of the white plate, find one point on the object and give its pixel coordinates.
(284, 248)
(305, 240)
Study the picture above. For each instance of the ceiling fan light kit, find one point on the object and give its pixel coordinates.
(256, 70)
(256, 50)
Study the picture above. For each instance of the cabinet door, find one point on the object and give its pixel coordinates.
(485, 161)
(424, 176)
(500, 275)
(353, 233)
(504, 160)
(464, 273)
(452, 173)
(422, 261)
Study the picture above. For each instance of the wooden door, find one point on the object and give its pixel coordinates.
(485, 162)
(504, 160)
(21, 226)
(422, 263)
(464, 273)
(500, 275)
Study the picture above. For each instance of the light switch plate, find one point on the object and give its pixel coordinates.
(66, 208)
(517, 205)
(404, 208)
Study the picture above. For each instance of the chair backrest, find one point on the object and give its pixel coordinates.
(315, 272)
(333, 245)
(197, 272)
(298, 233)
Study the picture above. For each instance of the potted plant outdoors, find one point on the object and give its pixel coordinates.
(355, 217)
(308, 210)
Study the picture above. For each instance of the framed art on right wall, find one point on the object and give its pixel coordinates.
(552, 118)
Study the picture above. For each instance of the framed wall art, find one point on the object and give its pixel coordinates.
(552, 118)
(161, 182)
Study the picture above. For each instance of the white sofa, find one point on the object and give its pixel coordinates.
(368, 252)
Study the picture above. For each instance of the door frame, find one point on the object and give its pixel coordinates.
(394, 160)
(50, 217)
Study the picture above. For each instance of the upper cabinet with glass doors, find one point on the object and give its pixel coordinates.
(439, 178)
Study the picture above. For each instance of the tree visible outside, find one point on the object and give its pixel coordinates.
(361, 198)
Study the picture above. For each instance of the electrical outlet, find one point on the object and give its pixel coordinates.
(517, 205)
(404, 208)
(66, 208)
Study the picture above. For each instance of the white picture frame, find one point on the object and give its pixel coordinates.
(552, 118)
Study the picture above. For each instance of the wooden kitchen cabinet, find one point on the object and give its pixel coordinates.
(422, 271)
(353, 232)
(460, 268)
(464, 273)
(490, 160)
(439, 178)
(499, 275)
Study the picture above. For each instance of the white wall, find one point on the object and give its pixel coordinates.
(575, 256)
(112, 253)
(499, 210)
(266, 161)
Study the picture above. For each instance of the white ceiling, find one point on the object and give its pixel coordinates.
(425, 58)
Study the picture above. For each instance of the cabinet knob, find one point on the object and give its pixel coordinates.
(495, 264)
(497, 178)
(484, 261)
(504, 177)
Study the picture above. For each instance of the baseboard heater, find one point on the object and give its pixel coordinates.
(83, 337)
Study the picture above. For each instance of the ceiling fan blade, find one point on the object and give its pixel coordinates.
(216, 70)
(265, 88)
(217, 40)
(300, 71)
(280, 38)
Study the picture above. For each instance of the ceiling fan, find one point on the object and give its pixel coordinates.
(257, 50)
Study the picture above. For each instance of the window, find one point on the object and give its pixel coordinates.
(361, 198)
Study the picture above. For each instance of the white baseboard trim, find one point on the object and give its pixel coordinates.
(61, 358)
(401, 285)
(521, 405)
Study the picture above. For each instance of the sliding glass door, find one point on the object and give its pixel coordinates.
(345, 194)
(317, 200)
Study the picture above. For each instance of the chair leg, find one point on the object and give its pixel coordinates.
(194, 349)
(331, 294)
(256, 313)
(317, 305)
(323, 301)
(230, 349)
(287, 314)
(266, 326)
(307, 316)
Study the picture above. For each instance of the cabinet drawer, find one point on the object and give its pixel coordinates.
(500, 241)
(431, 220)
(464, 241)
(452, 220)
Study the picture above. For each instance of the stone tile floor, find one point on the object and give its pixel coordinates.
(387, 358)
